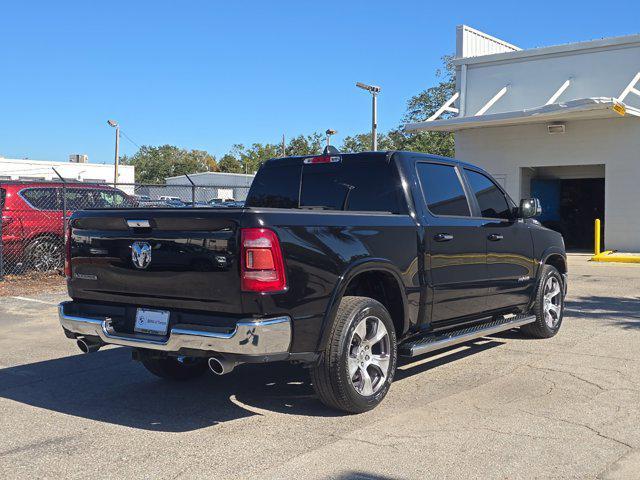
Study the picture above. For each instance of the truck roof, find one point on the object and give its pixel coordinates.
(379, 154)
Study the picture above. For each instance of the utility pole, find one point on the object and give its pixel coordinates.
(374, 90)
(116, 161)
(284, 149)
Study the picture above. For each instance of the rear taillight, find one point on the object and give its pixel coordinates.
(262, 267)
(67, 247)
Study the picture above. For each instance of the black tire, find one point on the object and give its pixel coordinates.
(541, 328)
(45, 254)
(171, 368)
(330, 376)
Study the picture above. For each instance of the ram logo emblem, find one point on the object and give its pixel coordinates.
(141, 255)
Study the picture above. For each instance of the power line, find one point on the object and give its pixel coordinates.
(129, 138)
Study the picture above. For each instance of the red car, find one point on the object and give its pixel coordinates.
(32, 219)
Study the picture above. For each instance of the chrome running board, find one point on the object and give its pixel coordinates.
(439, 340)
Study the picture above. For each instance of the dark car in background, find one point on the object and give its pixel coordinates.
(33, 219)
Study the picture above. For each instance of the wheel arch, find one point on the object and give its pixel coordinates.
(384, 275)
(556, 260)
(43, 235)
(556, 257)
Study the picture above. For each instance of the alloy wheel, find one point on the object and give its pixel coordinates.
(46, 256)
(369, 356)
(552, 301)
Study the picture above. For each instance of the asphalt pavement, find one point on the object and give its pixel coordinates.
(502, 407)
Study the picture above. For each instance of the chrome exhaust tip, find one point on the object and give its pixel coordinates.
(86, 346)
(221, 366)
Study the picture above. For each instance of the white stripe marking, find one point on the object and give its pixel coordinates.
(34, 300)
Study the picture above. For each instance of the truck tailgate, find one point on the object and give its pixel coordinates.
(184, 258)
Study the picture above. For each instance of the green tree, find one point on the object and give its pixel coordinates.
(230, 164)
(304, 145)
(155, 164)
(252, 157)
(362, 143)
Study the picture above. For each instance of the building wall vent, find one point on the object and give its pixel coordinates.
(556, 128)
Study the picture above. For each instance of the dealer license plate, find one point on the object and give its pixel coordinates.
(152, 321)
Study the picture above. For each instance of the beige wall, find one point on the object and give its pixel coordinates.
(504, 151)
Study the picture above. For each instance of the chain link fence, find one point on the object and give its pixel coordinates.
(34, 213)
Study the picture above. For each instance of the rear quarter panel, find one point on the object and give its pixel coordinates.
(320, 249)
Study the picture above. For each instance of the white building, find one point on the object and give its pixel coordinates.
(561, 123)
(41, 170)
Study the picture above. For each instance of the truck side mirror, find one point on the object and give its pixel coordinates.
(529, 207)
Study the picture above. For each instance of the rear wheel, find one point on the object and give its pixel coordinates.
(176, 368)
(44, 254)
(549, 305)
(356, 368)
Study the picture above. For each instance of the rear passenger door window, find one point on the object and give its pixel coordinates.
(79, 198)
(442, 189)
(491, 200)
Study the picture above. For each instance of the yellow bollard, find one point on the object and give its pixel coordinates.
(597, 237)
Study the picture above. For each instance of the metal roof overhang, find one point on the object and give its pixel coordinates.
(581, 109)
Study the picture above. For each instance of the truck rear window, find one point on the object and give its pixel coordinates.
(359, 183)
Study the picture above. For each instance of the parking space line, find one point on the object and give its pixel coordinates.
(34, 300)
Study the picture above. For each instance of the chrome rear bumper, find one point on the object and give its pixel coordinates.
(251, 337)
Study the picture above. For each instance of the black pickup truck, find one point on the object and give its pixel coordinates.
(342, 262)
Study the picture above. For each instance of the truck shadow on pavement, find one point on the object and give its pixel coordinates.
(621, 311)
(107, 386)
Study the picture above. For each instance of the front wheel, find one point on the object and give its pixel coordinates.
(176, 368)
(356, 368)
(548, 306)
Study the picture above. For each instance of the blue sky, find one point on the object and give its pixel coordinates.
(208, 74)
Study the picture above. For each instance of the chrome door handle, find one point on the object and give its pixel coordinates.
(495, 237)
(443, 237)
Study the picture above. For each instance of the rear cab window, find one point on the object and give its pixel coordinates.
(362, 183)
(442, 189)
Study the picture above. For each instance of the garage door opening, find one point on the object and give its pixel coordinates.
(572, 198)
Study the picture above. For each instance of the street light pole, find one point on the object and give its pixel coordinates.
(374, 121)
(116, 161)
(374, 90)
(330, 132)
